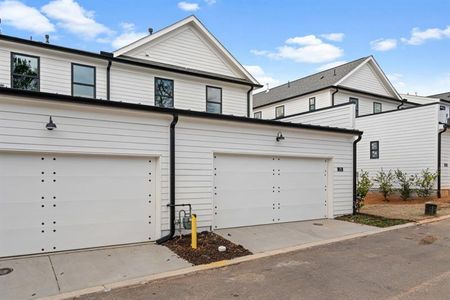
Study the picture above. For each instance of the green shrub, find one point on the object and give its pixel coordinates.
(405, 183)
(385, 183)
(425, 183)
(362, 188)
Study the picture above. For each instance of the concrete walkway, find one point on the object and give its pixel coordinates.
(39, 276)
(277, 236)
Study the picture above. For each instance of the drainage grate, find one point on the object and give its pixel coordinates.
(5, 271)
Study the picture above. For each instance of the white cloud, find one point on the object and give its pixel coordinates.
(331, 65)
(127, 36)
(23, 17)
(419, 37)
(335, 37)
(397, 80)
(304, 49)
(75, 19)
(261, 76)
(383, 44)
(188, 6)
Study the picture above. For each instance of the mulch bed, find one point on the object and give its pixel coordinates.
(372, 220)
(206, 252)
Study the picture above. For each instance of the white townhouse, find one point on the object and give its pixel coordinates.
(400, 131)
(101, 149)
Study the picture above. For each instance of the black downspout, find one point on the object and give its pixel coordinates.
(108, 80)
(439, 160)
(355, 171)
(248, 101)
(401, 104)
(172, 183)
(332, 96)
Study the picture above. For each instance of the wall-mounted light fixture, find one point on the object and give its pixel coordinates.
(50, 125)
(280, 136)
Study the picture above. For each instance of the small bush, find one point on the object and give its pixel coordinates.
(385, 183)
(362, 188)
(425, 183)
(405, 183)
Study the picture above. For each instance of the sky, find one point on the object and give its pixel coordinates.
(276, 41)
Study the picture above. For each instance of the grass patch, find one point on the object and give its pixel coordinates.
(372, 220)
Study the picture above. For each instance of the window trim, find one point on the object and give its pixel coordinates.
(259, 113)
(276, 108)
(378, 149)
(84, 84)
(38, 67)
(314, 103)
(356, 101)
(154, 92)
(381, 107)
(206, 95)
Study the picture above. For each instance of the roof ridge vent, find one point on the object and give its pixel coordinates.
(334, 72)
(267, 87)
(150, 31)
(289, 84)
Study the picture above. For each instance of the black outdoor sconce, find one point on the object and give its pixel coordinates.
(50, 125)
(279, 137)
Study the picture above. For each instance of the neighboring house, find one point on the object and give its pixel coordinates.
(400, 131)
(361, 81)
(97, 149)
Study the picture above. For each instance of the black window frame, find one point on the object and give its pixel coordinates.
(313, 105)
(38, 69)
(276, 109)
(259, 113)
(155, 89)
(356, 101)
(221, 98)
(381, 107)
(83, 84)
(377, 150)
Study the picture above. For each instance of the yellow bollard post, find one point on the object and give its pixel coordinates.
(194, 231)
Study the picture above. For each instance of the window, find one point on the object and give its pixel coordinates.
(163, 92)
(24, 72)
(279, 111)
(312, 103)
(257, 115)
(374, 150)
(213, 99)
(83, 81)
(356, 101)
(377, 107)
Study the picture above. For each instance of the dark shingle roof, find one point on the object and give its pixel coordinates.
(306, 84)
(442, 96)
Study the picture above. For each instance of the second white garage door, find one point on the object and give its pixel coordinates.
(255, 190)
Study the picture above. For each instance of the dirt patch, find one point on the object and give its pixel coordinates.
(429, 239)
(406, 211)
(372, 220)
(377, 198)
(207, 248)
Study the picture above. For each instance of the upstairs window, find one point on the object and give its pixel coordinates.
(279, 111)
(257, 115)
(377, 107)
(24, 72)
(213, 99)
(312, 103)
(374, 150)
(164, 92)
(356, 101)
(83, 81)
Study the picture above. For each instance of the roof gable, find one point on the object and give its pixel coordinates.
(186, 44)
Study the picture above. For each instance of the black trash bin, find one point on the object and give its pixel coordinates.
(430, 209)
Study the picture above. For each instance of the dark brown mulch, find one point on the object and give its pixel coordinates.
(206, 252)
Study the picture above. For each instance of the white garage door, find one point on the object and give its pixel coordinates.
(254, 190)
(56, 202)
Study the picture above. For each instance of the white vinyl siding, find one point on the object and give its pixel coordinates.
(341, 116)
(407, 139)
(187, 48)
(366, 102)
(445, 160)
(365, 79)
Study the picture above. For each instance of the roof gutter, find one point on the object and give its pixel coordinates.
(401, 104)
(355, 160)
(439, 158)
(249, 92)
(171, 205)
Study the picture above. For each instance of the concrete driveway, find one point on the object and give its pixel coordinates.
(263, 238)
(39, 276)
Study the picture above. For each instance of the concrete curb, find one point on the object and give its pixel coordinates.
(220, 264)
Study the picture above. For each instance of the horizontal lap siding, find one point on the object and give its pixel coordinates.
(408, 140)
(445, 159)
(365, 102)
(342, 117)
(366, 79)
